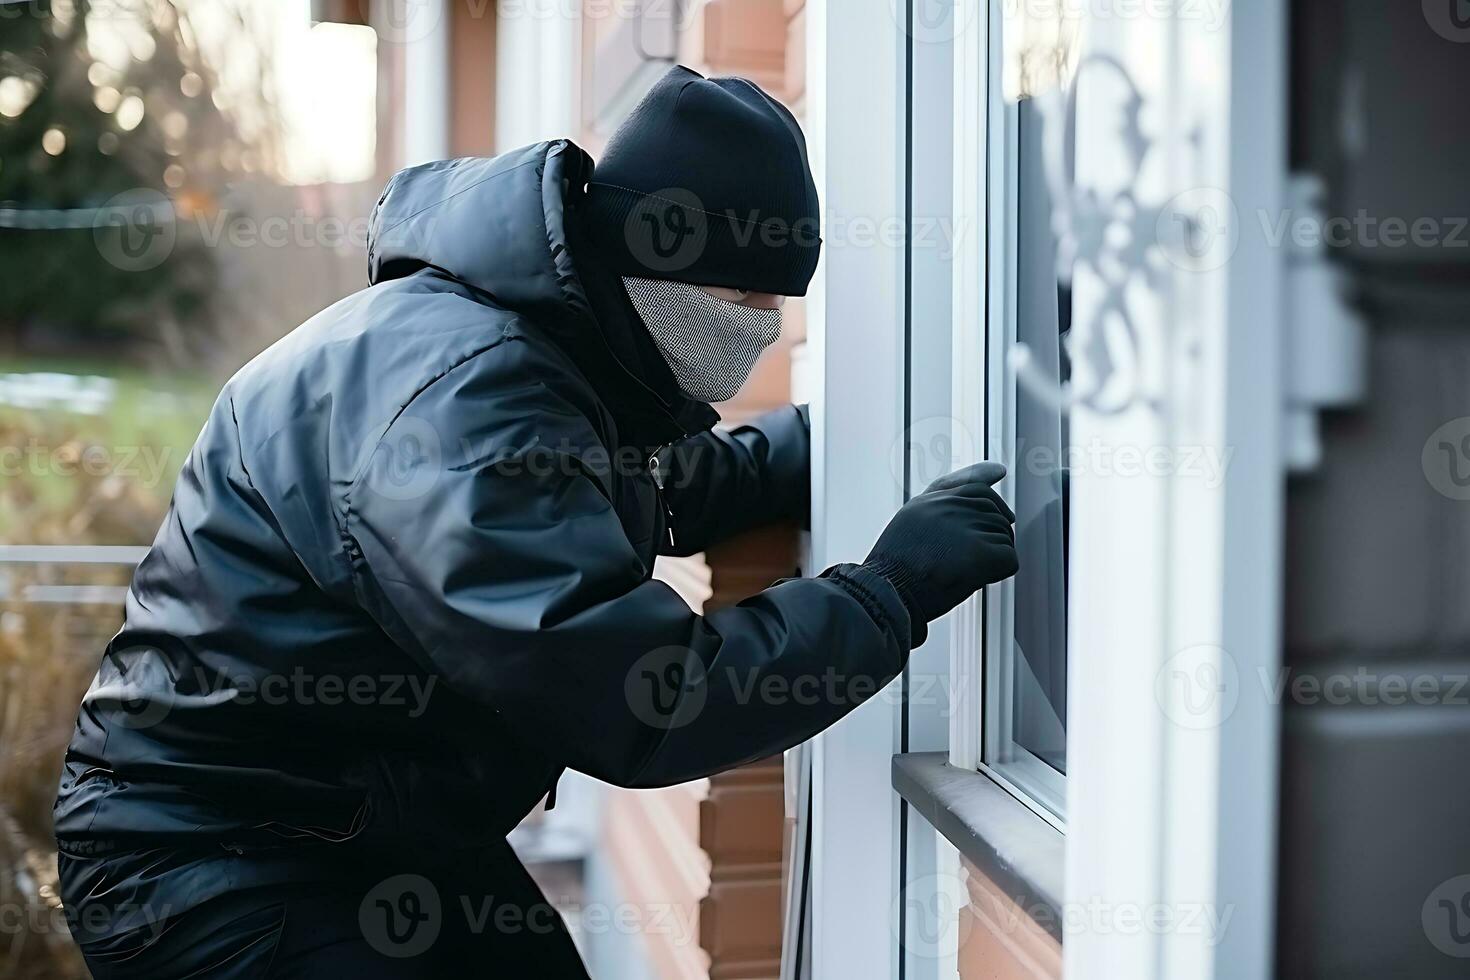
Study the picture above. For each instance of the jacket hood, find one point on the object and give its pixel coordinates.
(509, 227)
(497, 224)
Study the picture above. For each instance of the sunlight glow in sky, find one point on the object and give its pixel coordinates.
(325, 81)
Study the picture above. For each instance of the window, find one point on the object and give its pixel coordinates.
(1023, 738)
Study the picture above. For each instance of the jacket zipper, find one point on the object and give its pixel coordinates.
(658, 489)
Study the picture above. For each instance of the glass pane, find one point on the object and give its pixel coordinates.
(1043, 318)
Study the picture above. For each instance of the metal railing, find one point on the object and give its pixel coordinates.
(125, 556)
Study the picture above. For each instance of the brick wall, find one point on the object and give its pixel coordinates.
(998, 940)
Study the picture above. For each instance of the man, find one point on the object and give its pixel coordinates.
(405, 580)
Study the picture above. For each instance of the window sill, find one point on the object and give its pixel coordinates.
(997, 833)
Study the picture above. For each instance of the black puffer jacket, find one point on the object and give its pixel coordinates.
(405, 578)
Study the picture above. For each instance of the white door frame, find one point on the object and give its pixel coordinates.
(856, 308)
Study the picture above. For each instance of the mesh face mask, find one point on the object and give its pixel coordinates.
(710, 344)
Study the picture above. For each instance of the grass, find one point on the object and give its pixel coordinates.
(54, 457)
(67, 477)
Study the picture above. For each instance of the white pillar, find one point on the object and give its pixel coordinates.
(537, 73)
(421, 27)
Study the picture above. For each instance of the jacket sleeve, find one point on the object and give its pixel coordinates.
(495, 559)
(719, 484)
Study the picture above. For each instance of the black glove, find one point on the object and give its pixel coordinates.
(946, 543)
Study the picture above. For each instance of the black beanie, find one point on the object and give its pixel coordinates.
(707, 182)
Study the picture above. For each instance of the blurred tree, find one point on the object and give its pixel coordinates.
(112, 149)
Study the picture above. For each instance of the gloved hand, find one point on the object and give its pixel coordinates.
(946, 543)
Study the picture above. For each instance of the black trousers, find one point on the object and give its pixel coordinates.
(484, 918)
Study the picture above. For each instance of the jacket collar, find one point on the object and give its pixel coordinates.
(510, 228)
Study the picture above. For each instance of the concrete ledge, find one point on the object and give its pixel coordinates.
(1020, 852)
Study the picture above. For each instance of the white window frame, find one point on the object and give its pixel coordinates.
(984, 403)
(1029, 778)
(1146, 799)
(854, 50)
